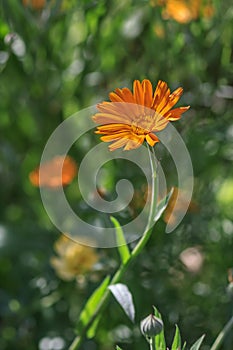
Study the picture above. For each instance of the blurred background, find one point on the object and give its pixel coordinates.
(58, 57)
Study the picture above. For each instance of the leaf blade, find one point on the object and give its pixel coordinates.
(121, 242)
(197, 344)
(124, 298)
(91, 306)
(176, 344)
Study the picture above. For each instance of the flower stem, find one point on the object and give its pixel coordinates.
(152, 343)
(222, 335)
(77, 342)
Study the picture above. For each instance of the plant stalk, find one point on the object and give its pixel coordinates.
(123, 267)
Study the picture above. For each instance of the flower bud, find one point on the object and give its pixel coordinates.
(151, 326)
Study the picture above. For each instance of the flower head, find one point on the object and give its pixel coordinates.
(134, 117)
(49, 174)
(72, 259)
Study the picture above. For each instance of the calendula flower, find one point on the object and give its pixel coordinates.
(72, 259)
(49, 174)
(182, 11)
(134, 117)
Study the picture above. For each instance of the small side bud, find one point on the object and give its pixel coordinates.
(151, 326)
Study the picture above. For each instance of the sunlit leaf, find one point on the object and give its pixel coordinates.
(176, 344)
(121, 242)
(124, 298)
(197, 344)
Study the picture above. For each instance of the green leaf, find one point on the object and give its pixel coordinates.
(92, 330)
(197, 344)
(162, 205)
(91, 307)
(184, 346)
(176, 344)
(118, 348)
(124, 298)
(160, 338)
(121, 242)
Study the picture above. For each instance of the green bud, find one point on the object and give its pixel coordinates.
(151, 326)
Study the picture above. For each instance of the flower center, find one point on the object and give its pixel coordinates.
(142, 124)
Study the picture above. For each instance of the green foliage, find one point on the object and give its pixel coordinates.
(160, 342)
(120, 241)
(90, 309)
(176, 344)
(197, 344)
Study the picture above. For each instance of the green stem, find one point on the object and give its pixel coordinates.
(152, 343)
(222, 335)
(123, 267)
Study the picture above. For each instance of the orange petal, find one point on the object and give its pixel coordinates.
(152, 139)
(135, 142)
(138, 92)
(126, 95)
(172, 100)
(117, 144)
(176, 113)
(148, 92)
(110, 128)
(160, 96)
(160, 122)
(116, 136)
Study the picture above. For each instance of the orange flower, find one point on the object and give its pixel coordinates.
(49, 173)
(132, 118)
(182, 11)
(36, 4)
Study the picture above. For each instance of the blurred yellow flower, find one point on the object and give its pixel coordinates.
(72, 259)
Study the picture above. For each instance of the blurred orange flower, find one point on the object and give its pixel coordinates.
(49, 173)
(182, 11)
(36, 4)
(72, 259)
(133, 117)
(171, 213)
